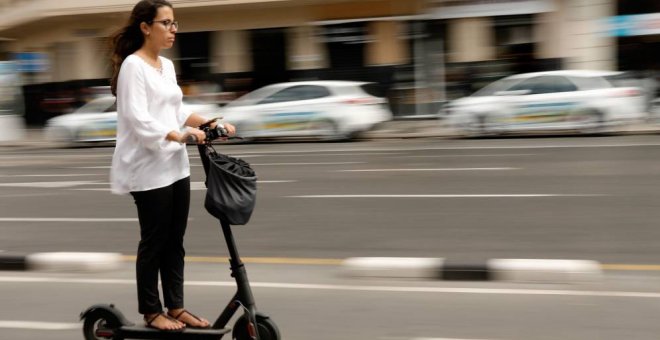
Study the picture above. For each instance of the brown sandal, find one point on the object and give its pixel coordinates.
(161, 314)
(194, 316)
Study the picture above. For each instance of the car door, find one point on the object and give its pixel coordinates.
(289, 111)
(543, 102)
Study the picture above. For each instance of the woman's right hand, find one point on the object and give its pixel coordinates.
(199, 135)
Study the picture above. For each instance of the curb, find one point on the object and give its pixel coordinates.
(61, 261)
(509, 270)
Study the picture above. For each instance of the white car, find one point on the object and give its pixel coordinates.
(96, 121)
(583, 101)
(331, 110)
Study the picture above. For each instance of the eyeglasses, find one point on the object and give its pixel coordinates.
(169, 24)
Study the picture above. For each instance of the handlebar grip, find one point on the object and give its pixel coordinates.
(191, 139)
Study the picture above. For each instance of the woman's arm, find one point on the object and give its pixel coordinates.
(195, 120)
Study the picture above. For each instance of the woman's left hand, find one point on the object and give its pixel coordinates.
(231, 130)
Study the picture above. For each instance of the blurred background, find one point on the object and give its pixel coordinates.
(421, 53)
(359, 64)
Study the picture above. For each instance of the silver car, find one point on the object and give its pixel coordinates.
(96, 122)
(571, 100)
(330, 110)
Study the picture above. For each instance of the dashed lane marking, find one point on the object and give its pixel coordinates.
(257, 260)
(428, 169)
(449, 196)
(339, 287)
(307, 163)
(34, 325)
(50, 175)
(194, 186)
(65, 219)
(63, 184)
(474, 155)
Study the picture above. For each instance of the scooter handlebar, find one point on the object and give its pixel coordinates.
(215, 133)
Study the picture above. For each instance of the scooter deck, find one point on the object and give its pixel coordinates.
(143, 332)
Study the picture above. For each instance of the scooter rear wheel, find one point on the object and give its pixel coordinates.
(266, 328)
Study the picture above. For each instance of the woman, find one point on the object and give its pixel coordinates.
(150, 160)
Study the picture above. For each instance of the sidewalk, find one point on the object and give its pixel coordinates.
(417, 128)
(400, 128)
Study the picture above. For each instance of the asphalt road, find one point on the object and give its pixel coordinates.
(571, 198)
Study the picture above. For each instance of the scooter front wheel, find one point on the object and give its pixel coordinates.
(266, 328)
(100, 326)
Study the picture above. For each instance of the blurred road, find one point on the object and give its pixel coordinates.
(590, 198)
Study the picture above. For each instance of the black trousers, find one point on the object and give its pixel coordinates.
(163, 215)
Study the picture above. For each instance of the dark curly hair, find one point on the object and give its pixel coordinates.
(129, 39)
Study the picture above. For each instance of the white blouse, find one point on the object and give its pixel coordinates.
(149, 106)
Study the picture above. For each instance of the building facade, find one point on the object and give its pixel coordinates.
(423, 52)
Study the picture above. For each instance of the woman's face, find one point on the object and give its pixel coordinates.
(163, 28)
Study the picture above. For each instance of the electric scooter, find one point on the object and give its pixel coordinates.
(105, 321)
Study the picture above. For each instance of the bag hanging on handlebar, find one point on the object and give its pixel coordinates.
(231, 189)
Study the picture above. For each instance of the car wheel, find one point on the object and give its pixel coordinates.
(594, 123)
(476, 127)
(327, 130)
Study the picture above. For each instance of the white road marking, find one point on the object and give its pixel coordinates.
(48, 184)
(450, 196)
(28, 195)
(474, 155)
(235, 156)
(443, 339)
(347, 154)
(201, 186)
(50, 175)
(503, 147)
(338, 287)
(428, 169)
(108, 166)
(65, 219)
(311, 163)
(49, 326)
(195, 186)
(91, 167)
(109, 156)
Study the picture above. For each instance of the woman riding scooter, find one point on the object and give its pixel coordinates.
(150, 160)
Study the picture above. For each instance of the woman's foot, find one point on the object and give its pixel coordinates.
(163, 322)
(191, 320)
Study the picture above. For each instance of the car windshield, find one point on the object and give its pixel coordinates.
(98, 105)
(254, 96)
(500, 85)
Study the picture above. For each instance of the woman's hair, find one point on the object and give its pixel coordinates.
(129, 38)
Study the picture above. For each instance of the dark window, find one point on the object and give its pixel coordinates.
(302, 92)
(525, 85)
(546, 84)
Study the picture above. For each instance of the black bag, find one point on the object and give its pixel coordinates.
(231, 189)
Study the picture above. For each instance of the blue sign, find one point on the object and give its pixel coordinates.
(632, 25)
(31, 62)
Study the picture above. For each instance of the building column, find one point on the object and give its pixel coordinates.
(79, 59)
(587, 46)
(387, 46)
(230, 52)
(304, 49)
(547, 35)
(90, 60)
(471, 39)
